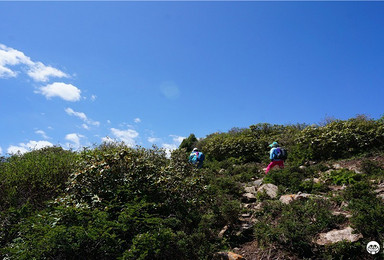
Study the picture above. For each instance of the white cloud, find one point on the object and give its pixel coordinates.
(16, 149)
(137, 120)
(36, 70)
(80, 115)
(75, 139)
(108, 139)
(42, 133)
(93, 97)
(177, 139)
(169, 147)
(85, 126)
(83, 117)
(127, 136)
(153, 140)
(11, 57)
(31, 145)
(1, 150)
(65, 91)
(40, 72)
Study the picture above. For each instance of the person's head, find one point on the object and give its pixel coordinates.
(195, 149)
(274, 144)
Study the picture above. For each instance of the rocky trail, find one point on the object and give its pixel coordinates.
(251, 204)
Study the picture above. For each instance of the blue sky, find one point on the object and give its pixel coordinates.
(76, 74)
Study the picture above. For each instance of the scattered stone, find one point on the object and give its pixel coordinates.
(337, 166)
(316, 180)
(346, 214)
(249, 197)
(259, 206)
(381, 196)
(335, 236)
(250, 190)
(337, 188)
(286, 199)
(302, 167)
(269, 189)
(227, 256)
(222, 232)
(257, 183)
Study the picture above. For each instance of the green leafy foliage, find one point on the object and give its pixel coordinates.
(367, 210)
(344, 176)
(117, 202)
(293, 226)
(34, 177)
(341, 139)
(125, 203)
(189, 143)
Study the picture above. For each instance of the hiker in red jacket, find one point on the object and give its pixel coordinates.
(273, 155)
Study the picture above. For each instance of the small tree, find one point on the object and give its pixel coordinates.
(189, 143)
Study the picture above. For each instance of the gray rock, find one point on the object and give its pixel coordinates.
(269, 189)
(286, 199)
(250, 190)
(249, 197)
(335, 236)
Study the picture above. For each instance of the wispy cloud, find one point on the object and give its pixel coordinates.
(31, 145)
(11, 57)
(11, 61)
(127, 136)
(169, 147)
(75, 139)
(137, 120)
(65, 91)
(83, 117)
(1, 150)
(40, 72)
(177, 139)
(42, 133)
(153, 140)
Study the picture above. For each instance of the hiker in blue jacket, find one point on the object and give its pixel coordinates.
(197, 158)
(273, 157)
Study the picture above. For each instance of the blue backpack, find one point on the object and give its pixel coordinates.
(197, 157)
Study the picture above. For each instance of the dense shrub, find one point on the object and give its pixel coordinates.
(34, 177)
(367, 210)
(125, 203)
(341, 139)
(344, 177)
(371, 168)
(294, 226)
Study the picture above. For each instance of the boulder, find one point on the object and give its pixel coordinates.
(269, 189)
(335, 236)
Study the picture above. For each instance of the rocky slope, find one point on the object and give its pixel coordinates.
(257, 193)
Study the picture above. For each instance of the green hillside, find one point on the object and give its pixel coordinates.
(117, 202)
